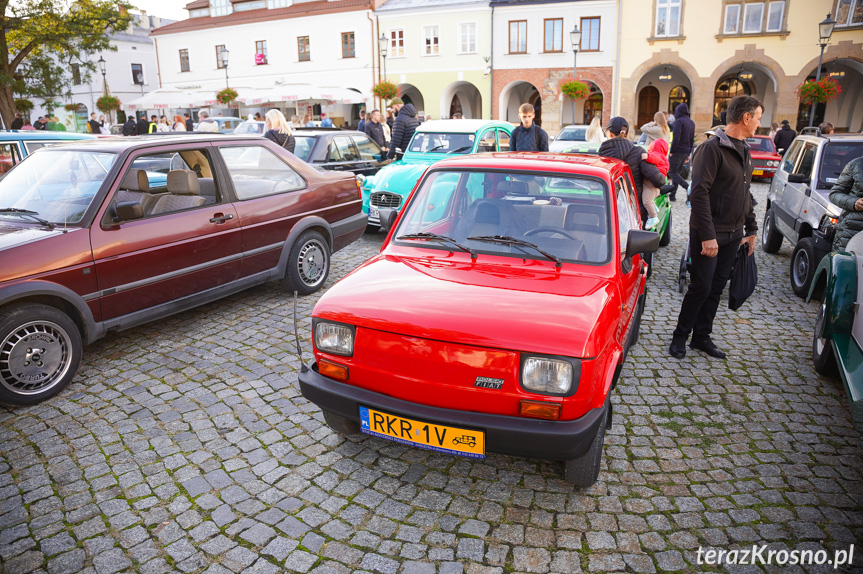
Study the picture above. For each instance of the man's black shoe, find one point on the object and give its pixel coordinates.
(708, 347)
(672, 196)
(677, 348)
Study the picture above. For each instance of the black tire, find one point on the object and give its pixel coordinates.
(31, 374)
(341, 425)
(822, 348)
(771, 239)
(372, 228)
(803, 266)
(584, 470)
(648, 258)
(636, 330)
(308, 263)
(666, 234)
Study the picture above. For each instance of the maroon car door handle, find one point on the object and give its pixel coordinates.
(221, 218)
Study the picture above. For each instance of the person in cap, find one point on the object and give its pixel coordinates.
(404, 127)
(783, 138)
(618, 146)
(528, 136)
(325, 121)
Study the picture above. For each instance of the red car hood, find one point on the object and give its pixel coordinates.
(525, 307)
(765, 155)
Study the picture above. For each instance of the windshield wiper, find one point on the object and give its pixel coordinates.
(465, 148)
(507, 240)
(436, 237)
(437, 147)
(26, 213)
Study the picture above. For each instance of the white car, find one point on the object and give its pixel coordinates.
(566, 137)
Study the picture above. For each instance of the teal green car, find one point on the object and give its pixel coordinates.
(433, 141)
(837, 344)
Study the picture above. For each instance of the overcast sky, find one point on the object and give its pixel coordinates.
(171, 9)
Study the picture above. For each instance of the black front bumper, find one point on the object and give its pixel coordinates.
(516, 436)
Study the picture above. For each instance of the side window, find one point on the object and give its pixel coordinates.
(503, 140)
(442, 189)
(625, 215)
(486, 142)
(8, 157)
(369, 150)
(33, 146)
(344, 148)
(790, 156)
(807, 160)
(256, 172)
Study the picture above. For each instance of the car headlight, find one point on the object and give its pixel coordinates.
(550, 376)
(773, 163)
(334, 338)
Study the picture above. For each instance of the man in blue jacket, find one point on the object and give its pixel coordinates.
(681, 146)
(405, 126)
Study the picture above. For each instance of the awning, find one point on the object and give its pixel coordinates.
(164, 99)
(171, 98)
(307, 93)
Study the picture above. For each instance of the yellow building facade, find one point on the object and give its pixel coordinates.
(704, 52)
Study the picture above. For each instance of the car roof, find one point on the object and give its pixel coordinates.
(832, 137)
(582, 164)
(120, 144)
(38, 135)
(323, 132)
(458, 126)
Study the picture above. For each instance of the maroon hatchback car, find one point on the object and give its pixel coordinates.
(108, 234)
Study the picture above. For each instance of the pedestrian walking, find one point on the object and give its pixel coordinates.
(279, 131)
(206, 123)
(404, 127)
(93, 123)
(847, 193)
(142, 127)
(774, 127)
(657, 129)
(783, 138)
(375, 131)
(190, 125)
(528, 136)
(153, 127)
(295, 122)
(722, 219)
(179, 124)
(391, 118)
(130, 128)
(325, 121)
(594, 131)
(162, 126)
(17, 123)
(682, 138)
(27, 126)
(308, 122)
(826, 128)
(39, 124)
(362, 125)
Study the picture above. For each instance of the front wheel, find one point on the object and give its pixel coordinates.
(803, 266)
(771, 239)
(341, 425)
(308, 263)
(40, 350)
(822, 347)
(666, 233)
(584, 470)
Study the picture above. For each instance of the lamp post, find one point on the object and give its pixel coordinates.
(825, 30)
(382, 44)
(575, 38)
(102, 68)
(225, 54)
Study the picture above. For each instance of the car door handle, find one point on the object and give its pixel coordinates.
(219, 218)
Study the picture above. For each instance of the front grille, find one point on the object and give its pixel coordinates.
(385, 200)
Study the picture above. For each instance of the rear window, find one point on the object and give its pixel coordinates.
(303, 146)
(834, 158)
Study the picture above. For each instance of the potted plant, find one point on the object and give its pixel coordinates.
(70, 107)
(385, 90)
(824, 90)
(108, 104)
(574, 90)
(226, 96)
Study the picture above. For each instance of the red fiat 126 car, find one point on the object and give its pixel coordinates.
(496, 317)
(765, 160)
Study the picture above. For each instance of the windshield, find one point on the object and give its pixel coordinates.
(249, 128)
(572, 134)
(57, 185)
(760, 144)
(834, 158)
(442, 143)
(565, 216)
(303, 146)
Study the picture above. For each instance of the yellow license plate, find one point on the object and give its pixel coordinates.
(440, 438)
(757, 172)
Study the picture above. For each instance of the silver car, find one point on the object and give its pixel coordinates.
(566, 137)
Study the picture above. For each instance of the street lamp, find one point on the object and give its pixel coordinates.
(102, 68)
(382, 44)
(825, 30)
(224, 54)
(575, 38)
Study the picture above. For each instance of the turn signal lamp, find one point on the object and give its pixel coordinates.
(540, 410)
(333, 370)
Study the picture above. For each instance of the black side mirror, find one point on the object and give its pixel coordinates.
(641, 241)
(798, 178)
(388, 218)
(129, 210)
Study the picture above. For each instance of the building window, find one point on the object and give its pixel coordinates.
(667, 18)
(220, 7)
(255, 5)
(589, 35)
(184, 61)
(518, 37)
(304, 49)
(397, 43)
(753, 14)
(775, 12)
(220, 63)
(732, 19)
(76, 74)
(199, 12)
(431, 40)
(348, 49)
(278, 3)
(849, 13)
(552, 35)
(138, 74)
(467, 38)
(749, 18)
(261, 52)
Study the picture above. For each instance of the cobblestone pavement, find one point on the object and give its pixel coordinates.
(186, 446)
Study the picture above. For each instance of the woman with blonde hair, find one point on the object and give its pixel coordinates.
(594, 131)
(295, 121)
(657, 129)
(278, 130)
(179, 124)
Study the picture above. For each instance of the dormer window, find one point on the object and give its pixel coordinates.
(220, 7)
(199, 13)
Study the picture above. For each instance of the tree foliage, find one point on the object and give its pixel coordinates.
(64, 31)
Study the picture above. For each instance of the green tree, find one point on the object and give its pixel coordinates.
(34, 31)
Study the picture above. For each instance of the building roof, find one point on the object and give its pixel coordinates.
(263, 15)
(419, 4)
(197, 4)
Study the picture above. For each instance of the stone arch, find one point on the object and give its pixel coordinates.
(411, 94)
(665, 57)
(523, 91)
(469, 98)
(755, 58)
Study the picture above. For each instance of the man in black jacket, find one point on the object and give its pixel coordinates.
(190, 125)
(721, 215)
(618, 147)
(528, 136)
(17, 123)
(143, 125)
(375, 130)
(130, 128)
(405, 125)
(682, 137)
(783, 138)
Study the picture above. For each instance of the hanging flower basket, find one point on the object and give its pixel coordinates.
(575, 90)
(385, 90)
(70, 107)
(226, 96)
(23, 105)
(108, 104)
(824, 90)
